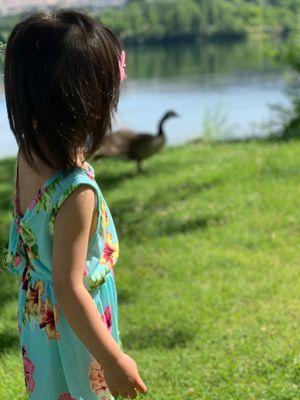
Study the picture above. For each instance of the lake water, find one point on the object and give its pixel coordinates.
(225, 88)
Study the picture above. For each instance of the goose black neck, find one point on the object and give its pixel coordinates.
(161, 126)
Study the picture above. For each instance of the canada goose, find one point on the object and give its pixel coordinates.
(134, 146)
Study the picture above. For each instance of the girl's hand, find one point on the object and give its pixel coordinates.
(123, 379)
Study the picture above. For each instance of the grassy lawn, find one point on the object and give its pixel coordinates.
(208, 274)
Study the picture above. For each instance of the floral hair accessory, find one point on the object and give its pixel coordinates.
(122, 66)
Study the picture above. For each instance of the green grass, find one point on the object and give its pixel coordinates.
(208, 274)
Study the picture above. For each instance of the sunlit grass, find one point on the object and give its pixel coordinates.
(208, 273)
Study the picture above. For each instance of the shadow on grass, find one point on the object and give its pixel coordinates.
(127, 169)
(8, 340)
(9, 288)
(5, 200)
(6, 184)
(160, 337)
(7, 166)
(9, 283)
(110, 181)
(8, 293)
(133, 217)
(125, 295)
(172, 227)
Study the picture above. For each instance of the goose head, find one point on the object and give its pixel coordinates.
(167, 115)
(170, 114)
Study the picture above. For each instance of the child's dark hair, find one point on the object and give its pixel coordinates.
(61, 79)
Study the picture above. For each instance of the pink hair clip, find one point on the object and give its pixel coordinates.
(122, 66)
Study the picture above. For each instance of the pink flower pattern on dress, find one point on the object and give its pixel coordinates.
(97, 381)
(85, 271)
(36, 198)
(19, 228)
(49, 318)
(110, 252)
(107, 318)
(17, 260)
(90, 175)
(28, 371)
(23, 253)
(65, 396)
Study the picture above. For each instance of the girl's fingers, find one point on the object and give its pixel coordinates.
(139, 384)
(132, 394)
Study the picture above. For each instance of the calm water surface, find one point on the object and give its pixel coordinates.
(224, 87)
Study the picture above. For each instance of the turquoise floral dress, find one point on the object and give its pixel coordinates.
(57, 365)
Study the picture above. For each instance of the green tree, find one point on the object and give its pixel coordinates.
(160, 20)
(291, 126)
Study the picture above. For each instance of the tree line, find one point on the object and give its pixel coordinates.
(141, 21)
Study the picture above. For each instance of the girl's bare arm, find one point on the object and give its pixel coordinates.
(71, 235)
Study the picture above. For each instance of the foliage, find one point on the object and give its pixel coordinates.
(164, 20)
(287, 124)
(6, 24)
(291, 117)
(215, 125)
(161, 20)
(208, 274)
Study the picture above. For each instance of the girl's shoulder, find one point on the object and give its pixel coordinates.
(59, 187)
(69, 181)
(66, 184)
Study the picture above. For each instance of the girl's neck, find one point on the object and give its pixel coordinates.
(46, 169)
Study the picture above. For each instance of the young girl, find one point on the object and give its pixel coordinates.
(62, 77)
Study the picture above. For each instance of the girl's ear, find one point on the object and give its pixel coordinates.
(122, 66)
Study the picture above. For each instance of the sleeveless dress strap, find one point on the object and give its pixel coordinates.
(16, 202)
(14, 256)
(66, 185)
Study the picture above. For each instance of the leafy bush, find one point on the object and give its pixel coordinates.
(287, 125)
(291, 126)
(161, 20)
(164, 20)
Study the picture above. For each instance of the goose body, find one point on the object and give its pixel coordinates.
(134, 146)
